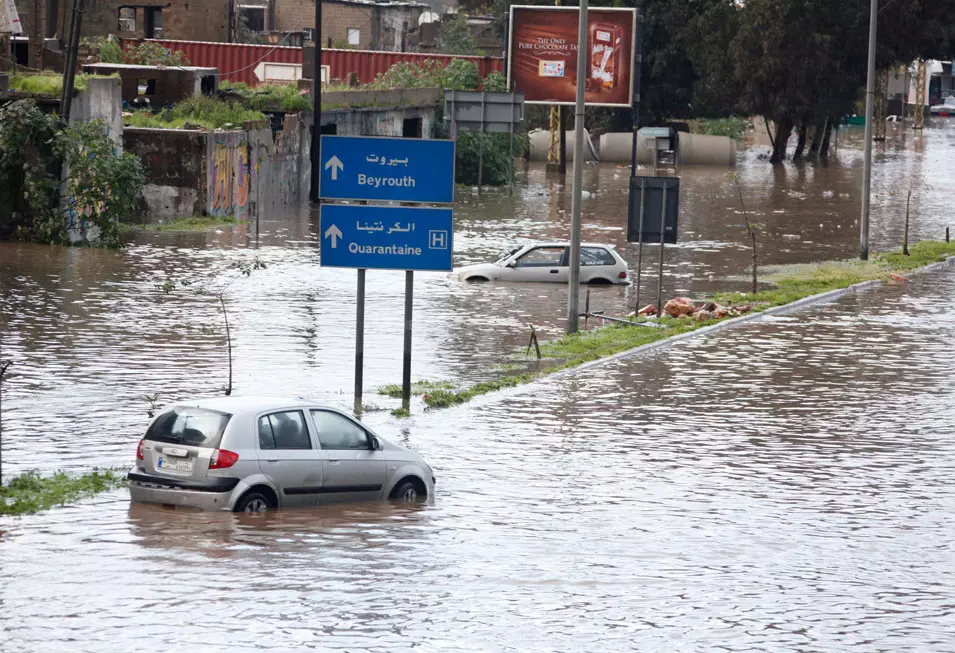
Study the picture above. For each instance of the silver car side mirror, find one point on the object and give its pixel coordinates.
(373, 443)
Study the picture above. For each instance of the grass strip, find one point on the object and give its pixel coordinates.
(195, 223)
(30, 493)
(418, 388)
(790, 284)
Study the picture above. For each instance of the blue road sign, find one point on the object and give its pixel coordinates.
(386, 237)
(395, 169)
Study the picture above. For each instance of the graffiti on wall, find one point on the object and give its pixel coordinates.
(230, 174)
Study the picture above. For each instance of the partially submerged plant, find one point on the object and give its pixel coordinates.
(216, 284)
(750, 228)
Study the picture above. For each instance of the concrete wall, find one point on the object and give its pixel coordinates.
(378, 121)
(102, 100)
(164, 85)
(174, 164)
(394, 23)
(188, 20)
(337, 17)
(379, 113)
(241, 173)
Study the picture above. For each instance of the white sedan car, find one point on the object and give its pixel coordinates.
(549, 262)
(946, 108)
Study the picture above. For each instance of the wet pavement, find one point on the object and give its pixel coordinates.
(785, 486)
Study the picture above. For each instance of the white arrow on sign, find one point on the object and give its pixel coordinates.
(336, 165)
(334, 233)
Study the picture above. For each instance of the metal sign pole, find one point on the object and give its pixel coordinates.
(481, 151)
(316, 153)
(663, 228)
(573, 299)
(406, 369)
(360, 341)
(643, 203)
(510, 158)
(867, 152)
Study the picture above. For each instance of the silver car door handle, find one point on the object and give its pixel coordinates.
(554, 271)
(271, 461)
(333, 462)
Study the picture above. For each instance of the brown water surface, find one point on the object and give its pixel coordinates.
(785, 486)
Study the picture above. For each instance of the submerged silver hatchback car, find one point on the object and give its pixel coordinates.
(250, 454)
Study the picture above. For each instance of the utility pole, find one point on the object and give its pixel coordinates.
(573, 309)
(69, 61)
(317, 109)
(867, 161)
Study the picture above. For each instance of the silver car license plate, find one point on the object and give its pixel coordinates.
(171, 464)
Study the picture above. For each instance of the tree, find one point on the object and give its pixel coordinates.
(801, 63)
(455, 37)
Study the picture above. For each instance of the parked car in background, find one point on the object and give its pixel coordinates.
(251, 454)
(549, 262)
(944, 108)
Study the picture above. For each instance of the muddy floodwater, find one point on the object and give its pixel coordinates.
(781, 486)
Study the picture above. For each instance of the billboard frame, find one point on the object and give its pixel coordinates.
(591, 10)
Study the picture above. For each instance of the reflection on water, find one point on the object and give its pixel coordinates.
(782, 486)
(786, 487)
(92, 336)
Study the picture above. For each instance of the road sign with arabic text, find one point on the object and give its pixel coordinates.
(387, 169)
(386, 237)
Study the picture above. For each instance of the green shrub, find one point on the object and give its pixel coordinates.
(51, 83)
(144, 54)
(734, 127)
(103, 185)
(204, 111)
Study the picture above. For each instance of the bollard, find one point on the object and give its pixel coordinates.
(947, 239)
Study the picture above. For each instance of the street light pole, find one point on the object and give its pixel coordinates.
(317, 110)
(573, 309)
(867, 165)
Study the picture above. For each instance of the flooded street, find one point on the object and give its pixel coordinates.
(91, 335)
(781, 486)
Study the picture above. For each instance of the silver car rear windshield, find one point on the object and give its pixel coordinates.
(196, 427)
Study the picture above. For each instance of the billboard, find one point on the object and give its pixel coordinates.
(542, 55)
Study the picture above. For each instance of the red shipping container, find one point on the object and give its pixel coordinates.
(237, 62)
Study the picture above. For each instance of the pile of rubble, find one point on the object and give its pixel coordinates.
(684, 307)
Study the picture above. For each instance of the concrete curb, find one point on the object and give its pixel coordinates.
(707, 330)
(744, 319)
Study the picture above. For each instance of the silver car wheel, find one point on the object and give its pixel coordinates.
(256, 505)
(410, 494)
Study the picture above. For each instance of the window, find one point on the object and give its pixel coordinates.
(542, 257)
(337, 432)
(146, 86)
(253, 17)
(127, 19)
(152, 22)
(354, 35)
(596, 256)
(284, 431)
(411, 128)
(197, 427)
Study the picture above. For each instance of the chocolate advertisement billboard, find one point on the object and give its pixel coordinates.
(542, 54)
